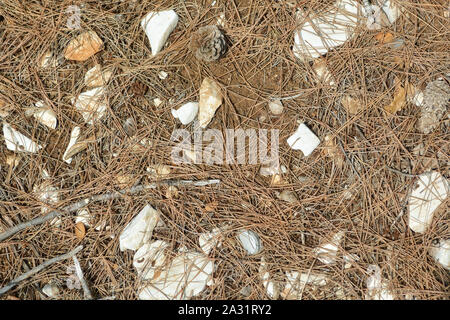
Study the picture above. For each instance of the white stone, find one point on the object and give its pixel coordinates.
(84, 217)
(377, 288)
(327, 31)
(418, 98)
(91, 104)
(392, 11)
(250, 242)
(73, 139)
(296, 282)
(17, 142)
(47, 194)
(303, 139)
(186, 113)
(186, 276)
(139, 231)
(441, 253)
(162, 75)
(158, 26)
(327, 253)
(276, 107)
(149, 258)
(51, 290)
(271, 286)
(210, 100)
(210, 240)
(431, 191)
(157, 102)
(96, 77)
(43, 114)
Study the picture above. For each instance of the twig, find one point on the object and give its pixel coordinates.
(40, 267)
(101, 197)
(87, 292)
(403, 173)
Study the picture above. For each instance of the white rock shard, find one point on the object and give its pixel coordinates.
(92, 104)
(327, 253)
(184, 277)
(250, 242)
(43, 114)
(296, 282)
(149, 258)
(73, 139)
(96, 77)
(158, 26)
(303, 139)
(51, 290)
(210, 240)
(210, 100)
(271, 286)
(84, 217)
(276, 107)
(432, 190)
(441, 253)
(186, 113)
(139, 231)
(47, 194)
(17, 142)
(324, 32)
(377, 288)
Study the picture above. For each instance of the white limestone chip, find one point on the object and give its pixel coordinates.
(15, 141)
(327, 253)
(149, 258)
(139, 231)
(431, 191)
(377, 288)
(51, 290)
(441, 253)
(43, 114)
(158, 26)
(272, 287)
(92, 104)
(186, 113)
(303, 139)
(210, 240)
(296, 282)
(210, 100)
(73, 140)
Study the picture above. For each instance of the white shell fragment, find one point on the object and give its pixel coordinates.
(303, 139)
(210, 100)
(84, 217)
(441, 253)
(210, 240)
(73, 140)
(377, 288)
(149, 258)
(327, 253)
(96, 77)
(47, 194)
(319, 34)
(51, 290)
(139, 231)
(323, 74)
(162, 75)
(276, 107)
(92, 104)
(15, 141)
(43, 114)
(158, 26)
(250, 242)
(431, 191)
(296, 282)
(186, 113)
(185, 276)
(271, 286)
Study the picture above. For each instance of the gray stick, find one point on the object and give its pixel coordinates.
(35, 270)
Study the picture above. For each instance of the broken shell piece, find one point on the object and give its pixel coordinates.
(250, 242)
(15, 141)
(158, 26)
(48, 60)
(319, 34)
(43, 114)
(73, 148)
(96, 77)
(288, 196)
(271, 286)
(83, 46)
(149, 258)
(92, 104)
(157, 102)
(377, 288)
(140, 229)
(350, 259)
(162, 75)
(51, 290)
(84, 217)
(184, 277)
(322, 72)
(441, 252)
(296, 282)
(186, 113)
(431, 191)
(276, 107)
(327, 253)
(208, 43)
(210, 240)
(47, 194)
(210, 100)
(303, 139)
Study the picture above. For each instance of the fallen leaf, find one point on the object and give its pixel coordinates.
(83, 47)
(80, 230)
(399, 100)
(384, 37)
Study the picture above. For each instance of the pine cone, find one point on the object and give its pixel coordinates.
(208, 43)
(435, 100)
